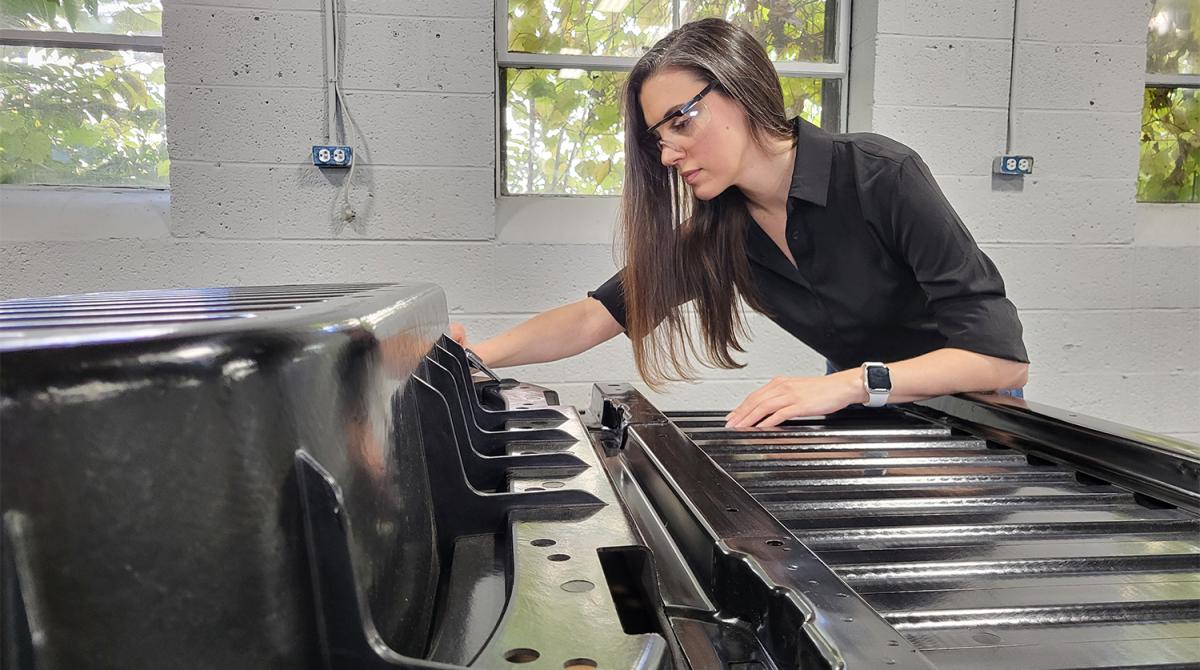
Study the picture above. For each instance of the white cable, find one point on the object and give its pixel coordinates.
(346, 214)
(1012, 70)
(343, 212)
(330, 74)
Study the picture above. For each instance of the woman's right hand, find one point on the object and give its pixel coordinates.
(459, 334)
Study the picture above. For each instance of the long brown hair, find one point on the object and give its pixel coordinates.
(677, 247)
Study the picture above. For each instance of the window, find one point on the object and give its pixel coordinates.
(81, 93)
(1170, 152)
(562, 63)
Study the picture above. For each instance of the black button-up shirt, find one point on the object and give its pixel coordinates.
(885, 270)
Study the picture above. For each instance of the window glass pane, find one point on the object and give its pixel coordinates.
(791, 30)
(588, 27)
(1170, 153)
(122, 17)
(563, 132)
(1173, 39)
(809, 98)
(82, 116)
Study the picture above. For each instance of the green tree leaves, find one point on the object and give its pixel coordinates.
(82, 116)
(791, 30)
(1169, 169)
(605, 28)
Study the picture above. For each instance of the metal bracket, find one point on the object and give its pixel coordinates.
(488, 468)
(454, 358)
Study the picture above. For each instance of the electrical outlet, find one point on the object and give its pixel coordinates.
(332, 156)
(1013, 165)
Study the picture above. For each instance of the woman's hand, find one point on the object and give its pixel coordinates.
(786, 397)
(459, 334)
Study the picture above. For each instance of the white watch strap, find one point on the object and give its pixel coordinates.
(877, 398)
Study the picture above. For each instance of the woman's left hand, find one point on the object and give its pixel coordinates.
(786, 397)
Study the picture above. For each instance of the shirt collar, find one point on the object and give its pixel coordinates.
(814, 162)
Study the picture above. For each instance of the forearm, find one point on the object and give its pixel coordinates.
(946, 371)
(552, 335)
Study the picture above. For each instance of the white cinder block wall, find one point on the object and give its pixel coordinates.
(1108, 290)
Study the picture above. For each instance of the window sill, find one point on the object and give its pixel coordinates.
(1167, 224)
(551, 219)
(74, 213)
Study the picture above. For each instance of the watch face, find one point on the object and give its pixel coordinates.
(878, 378)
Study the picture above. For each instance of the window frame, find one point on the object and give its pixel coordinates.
(839, 70)
(50, 39)
(1159, 80)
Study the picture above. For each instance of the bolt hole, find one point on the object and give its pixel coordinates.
(521, 655)
(893, 643)
(553, 485)
(793, 567)
(558, 558)
(543, 542)
(984, 637)
(578, 586)
(843, 595)
(812, 581)
(848, 619)
(579, 664)
(731, 509)
(775, 543)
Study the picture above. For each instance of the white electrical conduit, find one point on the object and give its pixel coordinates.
(342, 211)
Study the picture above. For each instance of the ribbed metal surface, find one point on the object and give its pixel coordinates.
(978, 554)
(131, 308)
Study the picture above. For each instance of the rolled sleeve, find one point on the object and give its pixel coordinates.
(611, 294)
(962, 286)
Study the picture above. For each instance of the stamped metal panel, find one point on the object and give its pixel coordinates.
(976, 546)
(784, 598)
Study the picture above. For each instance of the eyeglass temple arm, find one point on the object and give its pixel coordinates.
(684, 108)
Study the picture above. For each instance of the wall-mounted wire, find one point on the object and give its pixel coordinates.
(342, 211)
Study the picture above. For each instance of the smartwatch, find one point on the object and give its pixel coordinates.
(878, 382)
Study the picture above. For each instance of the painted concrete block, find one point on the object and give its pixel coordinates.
(1044, 209)
(1099, 78)
(250, 47)
(942, 71)
(987, 18)
(295, 201)
(416, 54)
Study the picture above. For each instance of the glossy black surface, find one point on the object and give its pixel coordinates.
(292, 477)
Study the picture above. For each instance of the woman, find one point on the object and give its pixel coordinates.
(843, 240)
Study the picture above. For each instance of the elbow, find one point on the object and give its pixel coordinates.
(1016, 376)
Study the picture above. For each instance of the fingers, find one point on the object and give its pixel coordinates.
(762, 409)
(458, 333)
(780, 416)
(770, 389)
